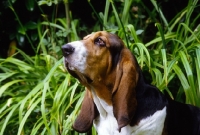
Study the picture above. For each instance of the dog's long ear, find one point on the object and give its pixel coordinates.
(87, 114)
(124, 93)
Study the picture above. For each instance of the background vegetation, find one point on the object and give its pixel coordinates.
(37, 95)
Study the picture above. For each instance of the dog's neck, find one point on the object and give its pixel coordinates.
(103, 107)
(103, 87)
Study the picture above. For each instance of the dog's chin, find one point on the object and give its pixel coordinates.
(76, 74)
(69, 67)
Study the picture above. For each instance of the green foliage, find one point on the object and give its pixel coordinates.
(22, 29)
(38, 96)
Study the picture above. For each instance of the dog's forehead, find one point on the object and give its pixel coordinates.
(96, 34)
(110, 39)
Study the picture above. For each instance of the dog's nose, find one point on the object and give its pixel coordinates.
(67, 49)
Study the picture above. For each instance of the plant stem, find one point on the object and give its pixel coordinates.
(66, 3)
(99, 18)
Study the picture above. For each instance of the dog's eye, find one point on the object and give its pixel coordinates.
(99, 41)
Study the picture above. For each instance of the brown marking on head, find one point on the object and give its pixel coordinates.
(103, 50)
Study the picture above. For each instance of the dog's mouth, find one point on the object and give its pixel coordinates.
(76, 74)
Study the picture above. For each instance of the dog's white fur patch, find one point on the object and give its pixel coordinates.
(77, 59)
(106, 123)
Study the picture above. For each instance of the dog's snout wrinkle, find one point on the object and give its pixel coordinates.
(67, 49)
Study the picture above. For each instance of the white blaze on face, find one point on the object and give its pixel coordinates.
(77, 60)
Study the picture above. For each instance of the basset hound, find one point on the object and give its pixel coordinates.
(117, 100)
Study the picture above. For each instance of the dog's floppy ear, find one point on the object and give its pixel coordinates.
(87, 114)
(124, 93)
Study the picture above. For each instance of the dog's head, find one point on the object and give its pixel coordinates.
(93, 57)
(102, 63)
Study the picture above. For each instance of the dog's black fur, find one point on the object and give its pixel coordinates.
(181, 119)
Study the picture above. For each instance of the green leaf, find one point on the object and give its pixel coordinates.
(8, 117)
(160, 29)
(44, 92)
(164, 57)
(4, 76)
(21, 30)
(143, 49)
(158, 39)
(133, 33)
(36, 127)
(158, 76)
(30, 4)
(183, 80)
(13, 1)
(31, 25)
(21, 64)
(197, 63)
(26, 116)
(53, 25)
(7, 85)
(139, 32)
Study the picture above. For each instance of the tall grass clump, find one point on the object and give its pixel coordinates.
(37, 95)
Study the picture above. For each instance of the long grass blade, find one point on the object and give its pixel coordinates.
(164, 57)
(126, 9)
(6, 75)
(133, 33)
(197, 63)
(26, 116)
(53, 25)
(5, 86)
(43, 109)
(158, 39)
(184, 83)
(160, 12)
(142, 49)
(105, 18)
(190, 77)
(8, 117)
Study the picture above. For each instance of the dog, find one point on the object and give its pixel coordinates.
(118, 101)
